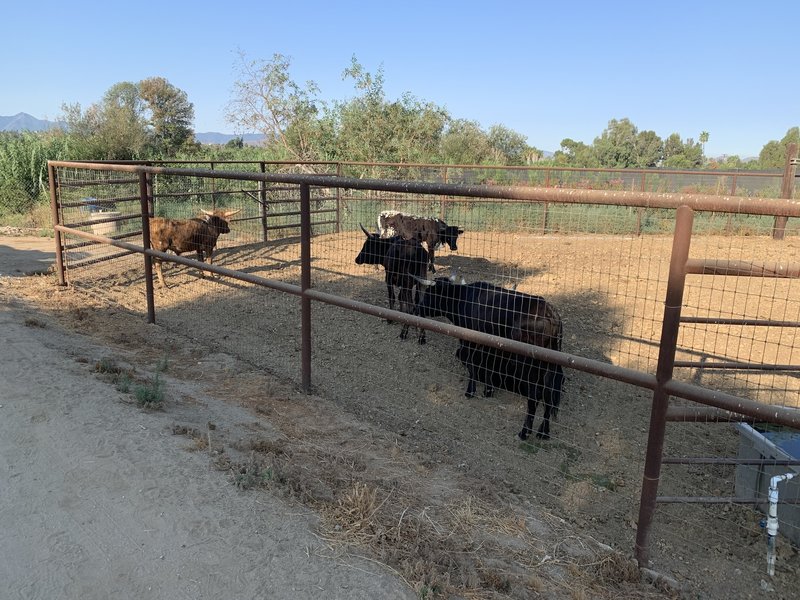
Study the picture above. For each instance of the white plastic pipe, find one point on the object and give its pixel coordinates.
(772, 519)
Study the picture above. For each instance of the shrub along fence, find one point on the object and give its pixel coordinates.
(708, 337)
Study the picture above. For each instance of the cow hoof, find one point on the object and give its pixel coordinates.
(523, 435)
(542, 435)
(488, 393)
(469, 395)
(422, 341)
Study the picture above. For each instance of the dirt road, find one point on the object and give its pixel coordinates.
(100, 499)
(25, 254)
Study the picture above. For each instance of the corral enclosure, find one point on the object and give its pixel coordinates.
(606, 268)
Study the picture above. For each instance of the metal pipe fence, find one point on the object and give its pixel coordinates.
(638, 317)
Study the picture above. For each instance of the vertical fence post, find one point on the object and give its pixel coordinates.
(787, 189)
(666, 363)
(262, 197)
(151, 190)
(338, 200)
(213, 188)
(54, 205)
(442, 198)
(545, 208)
(144, 198)
(640, 211)
(305, 284)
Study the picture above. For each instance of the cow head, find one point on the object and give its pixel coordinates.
(218, 219)
(373, 252)
(448, 234)
(435, 296)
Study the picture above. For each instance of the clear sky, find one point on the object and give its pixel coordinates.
(549, 71)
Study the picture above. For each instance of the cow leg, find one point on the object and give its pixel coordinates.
(464, 353)
(390, 294)
(527, 376)
(420, 332)
(492, 379)
(544, 391)
(405, 306)
(430, 259)
(544, 428)
(470, 393)
(200, 258)
(160, 274)
(553, 382)
(527, 426)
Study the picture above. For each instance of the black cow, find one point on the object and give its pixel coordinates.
(405, 263)
(491, 309)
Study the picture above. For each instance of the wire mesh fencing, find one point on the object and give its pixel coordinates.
(607, 285)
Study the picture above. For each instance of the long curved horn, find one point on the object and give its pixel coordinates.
(208, 213)
(364, 230)
(425, 282)
(230, 213)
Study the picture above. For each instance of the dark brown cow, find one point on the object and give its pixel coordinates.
(188, 235)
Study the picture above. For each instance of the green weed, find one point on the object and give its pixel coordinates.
(150, 394)
(123, 383)
(252, 475)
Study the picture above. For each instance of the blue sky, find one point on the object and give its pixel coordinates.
(549, 71)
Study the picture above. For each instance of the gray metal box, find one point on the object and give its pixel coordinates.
(753, 480)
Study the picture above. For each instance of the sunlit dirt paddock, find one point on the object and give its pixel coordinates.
(584, 482)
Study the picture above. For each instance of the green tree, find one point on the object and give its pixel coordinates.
(370, 128)
(575, 154)
(266, 100)
(168, 113)
(703, 140)
(682, 155)
(673, 147)
(508, 146)
(648, 149)
(773, 154)
(464, 143)
(132, 121)
(616, 146)
(237, 142)
(113, 129)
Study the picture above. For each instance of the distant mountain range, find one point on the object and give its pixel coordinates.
(25, 122)
(212, 137)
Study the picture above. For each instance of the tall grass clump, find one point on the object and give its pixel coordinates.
(24, 187)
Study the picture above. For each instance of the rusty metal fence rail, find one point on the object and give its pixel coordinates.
(632, 315)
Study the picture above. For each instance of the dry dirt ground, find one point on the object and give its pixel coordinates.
(428, 486)
(100, 498)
